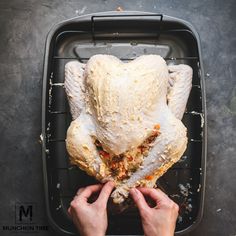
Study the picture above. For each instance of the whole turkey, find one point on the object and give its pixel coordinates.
(126, 118)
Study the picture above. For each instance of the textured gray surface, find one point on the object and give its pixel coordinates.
(24, 25)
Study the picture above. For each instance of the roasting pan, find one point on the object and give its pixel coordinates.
(125, 35)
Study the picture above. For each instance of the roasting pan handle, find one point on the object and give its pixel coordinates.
(115, 17)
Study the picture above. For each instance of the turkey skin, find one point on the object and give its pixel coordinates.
(126, 118)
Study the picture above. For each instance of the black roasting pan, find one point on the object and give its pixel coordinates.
(125, 35)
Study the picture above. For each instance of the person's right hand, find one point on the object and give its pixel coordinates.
(160, 220)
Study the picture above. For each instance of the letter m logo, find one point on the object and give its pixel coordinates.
(24, 212)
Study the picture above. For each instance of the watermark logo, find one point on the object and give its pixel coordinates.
(25, 213)
(25, 219)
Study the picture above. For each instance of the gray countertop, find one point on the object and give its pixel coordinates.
(24, 26)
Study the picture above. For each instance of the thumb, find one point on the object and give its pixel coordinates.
(139, 200)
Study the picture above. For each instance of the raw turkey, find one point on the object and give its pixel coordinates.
(126, 118)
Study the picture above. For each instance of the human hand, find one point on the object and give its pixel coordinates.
(160, 220)
(91, 218)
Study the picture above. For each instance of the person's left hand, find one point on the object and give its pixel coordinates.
(91, 218)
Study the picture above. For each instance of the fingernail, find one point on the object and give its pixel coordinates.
(112, 183)
(134, 190)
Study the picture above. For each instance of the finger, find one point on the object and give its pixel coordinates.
(105, 192)
(88, 191)
(156, 194)
(139, 200)
(69, 211)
